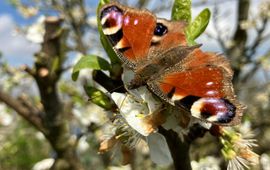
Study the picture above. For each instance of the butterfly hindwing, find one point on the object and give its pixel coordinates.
(201, 85)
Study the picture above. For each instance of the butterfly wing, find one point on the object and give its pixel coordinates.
(197, 82)
(137, 36)
(200, 84)
(129, 31)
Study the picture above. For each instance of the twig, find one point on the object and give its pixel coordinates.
(28, 70)
(252, 72)
(217, 29)
(180, 148)
(253, 48)
(17, 106)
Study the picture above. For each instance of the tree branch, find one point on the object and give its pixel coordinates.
(251, 73)
(179, 149)
(48, 70)
(217, 28)
(237, 52)
(253, 48)
(32, 117)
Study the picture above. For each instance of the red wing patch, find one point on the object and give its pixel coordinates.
(202, 82)
(138, 30)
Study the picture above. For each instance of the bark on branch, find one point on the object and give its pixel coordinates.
(53, 122)
(48, 69)
(237, 52)
(180, 148)
(32, 117)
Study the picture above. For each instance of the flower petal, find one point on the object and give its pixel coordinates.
(107, 145)
(159, 150)
(133, 112)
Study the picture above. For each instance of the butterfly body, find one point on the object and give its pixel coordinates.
(157, 51)
(153, 69)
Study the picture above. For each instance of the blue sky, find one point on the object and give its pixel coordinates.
(15, 48)
(7, 8)
(18, 50)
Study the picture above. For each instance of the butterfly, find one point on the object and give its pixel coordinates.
(157, 51)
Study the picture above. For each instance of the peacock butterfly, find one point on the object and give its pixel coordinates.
(157, 51)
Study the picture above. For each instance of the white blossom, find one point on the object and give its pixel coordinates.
(237, 148)
(207, 163)
(126, 167)
(45, 164)
(159, 150)
(35, 32)
(77, 13)
(265, 162)
(135, 109)
(28, 11)
(92, 21)
(83, 145)
(5, 118)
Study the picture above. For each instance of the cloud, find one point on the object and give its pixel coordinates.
(16, 49)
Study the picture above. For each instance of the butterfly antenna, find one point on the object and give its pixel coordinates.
(107, 93)
(119, 87)
(122, 103)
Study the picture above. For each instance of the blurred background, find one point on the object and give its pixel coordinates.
(238, 28)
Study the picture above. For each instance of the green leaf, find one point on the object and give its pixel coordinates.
(181, 10)
(198, 26)
(98, 97)
(103, 2)
(116, 64)
(105, 43)
(92, 62)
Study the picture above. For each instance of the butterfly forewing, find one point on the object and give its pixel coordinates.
(128, 30)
